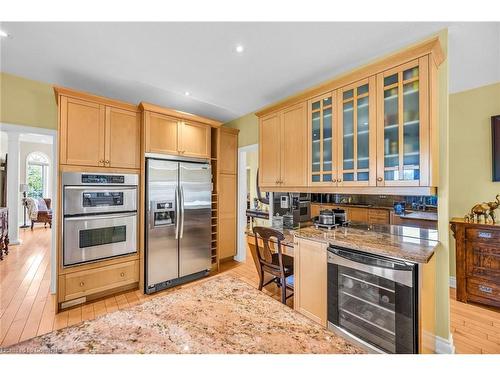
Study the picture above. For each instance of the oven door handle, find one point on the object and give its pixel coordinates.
(101, 188)
(371, 261)
(99, 217)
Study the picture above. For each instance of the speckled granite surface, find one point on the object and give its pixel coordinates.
(221, 315)
(401, 246)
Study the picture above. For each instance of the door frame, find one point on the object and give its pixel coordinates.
(241, 250)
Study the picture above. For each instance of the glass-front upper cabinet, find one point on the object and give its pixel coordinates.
(357, 134)
(322, 140)
(403, 125)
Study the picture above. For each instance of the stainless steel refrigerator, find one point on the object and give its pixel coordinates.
(178, 224)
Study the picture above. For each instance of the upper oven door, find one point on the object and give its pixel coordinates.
(84, 200)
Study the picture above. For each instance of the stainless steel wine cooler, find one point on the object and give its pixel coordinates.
(373, 300)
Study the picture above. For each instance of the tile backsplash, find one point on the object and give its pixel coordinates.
(412, 202)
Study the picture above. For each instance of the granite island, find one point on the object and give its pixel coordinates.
(411, 246)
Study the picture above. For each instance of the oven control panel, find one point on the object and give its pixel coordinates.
(102, 179)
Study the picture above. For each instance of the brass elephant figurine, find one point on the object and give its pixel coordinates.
(484, 209)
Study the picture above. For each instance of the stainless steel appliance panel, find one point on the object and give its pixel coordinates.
(195, 229)
(162, 236)
(98, 199)
(89, 238)
(109, 179)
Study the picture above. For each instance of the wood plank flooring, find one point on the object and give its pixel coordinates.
(27, 308)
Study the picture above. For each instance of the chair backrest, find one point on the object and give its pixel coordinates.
(264, 253)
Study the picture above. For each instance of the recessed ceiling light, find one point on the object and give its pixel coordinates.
(187, 93)
(240, 48)
(3, 34)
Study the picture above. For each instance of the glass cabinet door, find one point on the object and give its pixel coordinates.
(403, 118)
(322, 138)
(357, 134)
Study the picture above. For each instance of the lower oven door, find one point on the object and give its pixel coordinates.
(374, 300)
(90, 238)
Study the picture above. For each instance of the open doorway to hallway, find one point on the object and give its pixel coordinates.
(28, 189)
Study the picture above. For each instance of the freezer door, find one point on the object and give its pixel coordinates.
(196, 206)
(162, 259)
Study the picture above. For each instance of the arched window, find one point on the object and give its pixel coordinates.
(37, 170)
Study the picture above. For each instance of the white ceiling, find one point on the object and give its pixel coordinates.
(158, 62)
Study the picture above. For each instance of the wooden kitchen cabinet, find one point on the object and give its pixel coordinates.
(95, 133)
(161, 133)
(194, 139)
(123, 136)
(82, 132)
(227, 215)
(371, 131)
(293, 146)
(357, 134)
(403, 125)
(269, 150)
(165, 134)
(283, 148)
(228, 153)
(310, 272)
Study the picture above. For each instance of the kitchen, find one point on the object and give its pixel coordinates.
(155, 222)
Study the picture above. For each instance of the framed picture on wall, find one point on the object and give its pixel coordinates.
(495, 143)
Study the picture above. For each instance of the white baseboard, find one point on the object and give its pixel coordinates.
(453, 282)
(445, 346)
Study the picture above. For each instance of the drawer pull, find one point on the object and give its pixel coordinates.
(484, 234)
(122, 274)
(485, 289)
(82, 283)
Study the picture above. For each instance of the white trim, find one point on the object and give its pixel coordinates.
(453, 282)
(444, 346)
(242, 201)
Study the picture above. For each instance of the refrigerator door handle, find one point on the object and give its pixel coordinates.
(182, 212)
(177, 213)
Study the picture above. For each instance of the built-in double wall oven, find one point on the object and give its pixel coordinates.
(99, 216)
(373, 300)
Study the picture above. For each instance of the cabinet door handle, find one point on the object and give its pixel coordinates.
(107, 162)
(339, 180)
(334, 180)
(122, 274)
(82, 283)
(101, 161)
(379, 179)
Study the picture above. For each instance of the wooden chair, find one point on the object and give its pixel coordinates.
(275, 263)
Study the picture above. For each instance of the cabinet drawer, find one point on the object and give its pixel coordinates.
(483, 260)
(482, 234)
(378, 216)
(479, 289)
(83, 283)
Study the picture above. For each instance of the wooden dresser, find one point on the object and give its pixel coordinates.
(477, 261)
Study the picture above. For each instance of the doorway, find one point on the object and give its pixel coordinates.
(248, 163)
(29, 155)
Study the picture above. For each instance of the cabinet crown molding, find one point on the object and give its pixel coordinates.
(58, 90)
(178, 114)
(431, 47)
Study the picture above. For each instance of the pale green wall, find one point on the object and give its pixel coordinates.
(27, 102)
(249, 129)
(471, 151)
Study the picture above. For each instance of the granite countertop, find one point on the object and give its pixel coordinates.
(394, 241)
(220, 315)
(288, 233)
(420, 215)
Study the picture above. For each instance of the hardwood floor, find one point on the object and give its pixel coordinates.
(475, 329)
(27, 308)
